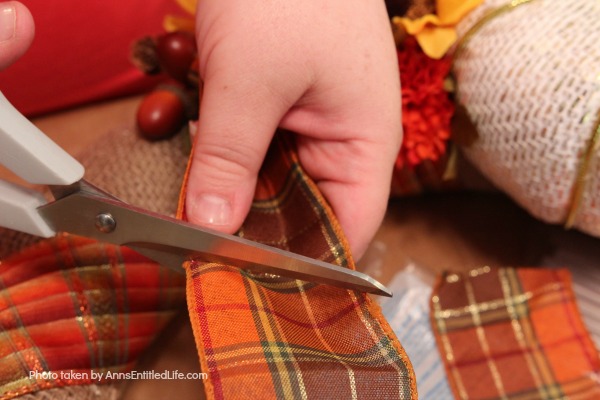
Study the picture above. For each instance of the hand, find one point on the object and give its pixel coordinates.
(16, 32)
(325, 70)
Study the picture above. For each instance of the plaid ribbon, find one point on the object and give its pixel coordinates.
(514, 334)
(271, 337)
(71, 306)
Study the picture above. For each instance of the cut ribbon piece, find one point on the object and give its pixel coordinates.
(514, 334)
(271, 337)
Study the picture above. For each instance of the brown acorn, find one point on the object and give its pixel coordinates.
(176, 52)
(161, 114)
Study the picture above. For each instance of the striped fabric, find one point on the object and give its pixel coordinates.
(71, 306)
(263, 336)
(514, 334)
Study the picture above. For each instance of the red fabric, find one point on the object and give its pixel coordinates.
(70, 304)
(81, 52)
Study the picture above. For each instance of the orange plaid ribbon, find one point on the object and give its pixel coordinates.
(270, 337)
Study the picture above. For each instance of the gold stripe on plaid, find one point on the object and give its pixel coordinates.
(514, 334)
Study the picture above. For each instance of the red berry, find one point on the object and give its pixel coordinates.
(160, 115)
(176, 51)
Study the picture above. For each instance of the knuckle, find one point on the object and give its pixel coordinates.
(224, 165)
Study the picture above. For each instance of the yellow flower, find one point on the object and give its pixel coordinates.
(437, 33)
(174, 23)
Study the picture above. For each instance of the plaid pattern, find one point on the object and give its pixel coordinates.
(271, 337)
(514, 334)
(72, 304)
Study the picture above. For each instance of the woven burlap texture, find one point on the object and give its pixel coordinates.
(145, 174)
(530, 80)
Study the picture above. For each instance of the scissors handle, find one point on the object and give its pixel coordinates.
(30, 154)
(18, 210)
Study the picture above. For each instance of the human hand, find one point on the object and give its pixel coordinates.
(16, 32)
(325, 70)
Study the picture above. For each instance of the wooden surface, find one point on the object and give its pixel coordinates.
(456, 231)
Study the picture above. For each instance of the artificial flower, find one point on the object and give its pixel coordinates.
(426, 106)
(437, 33)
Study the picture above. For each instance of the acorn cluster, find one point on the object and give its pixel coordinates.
(165, 111)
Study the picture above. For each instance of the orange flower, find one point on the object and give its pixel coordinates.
(426, 106)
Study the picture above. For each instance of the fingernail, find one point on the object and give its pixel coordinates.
(211, 210)
(8, 21)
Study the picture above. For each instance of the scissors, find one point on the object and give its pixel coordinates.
(82, 209)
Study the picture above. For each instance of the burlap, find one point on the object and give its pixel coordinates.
(142, 173)
(529, 80)
(146, 174)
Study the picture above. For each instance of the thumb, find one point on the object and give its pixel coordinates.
(16, 32)
(237, 122)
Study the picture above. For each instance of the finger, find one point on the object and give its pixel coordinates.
(16, 32)
(237, 121)
(359, 199)
(359, 209)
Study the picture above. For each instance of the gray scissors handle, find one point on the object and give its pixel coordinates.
(30, 154)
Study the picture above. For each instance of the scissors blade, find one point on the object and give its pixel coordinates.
(84, 210)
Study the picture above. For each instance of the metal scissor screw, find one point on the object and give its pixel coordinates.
(105, 222)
